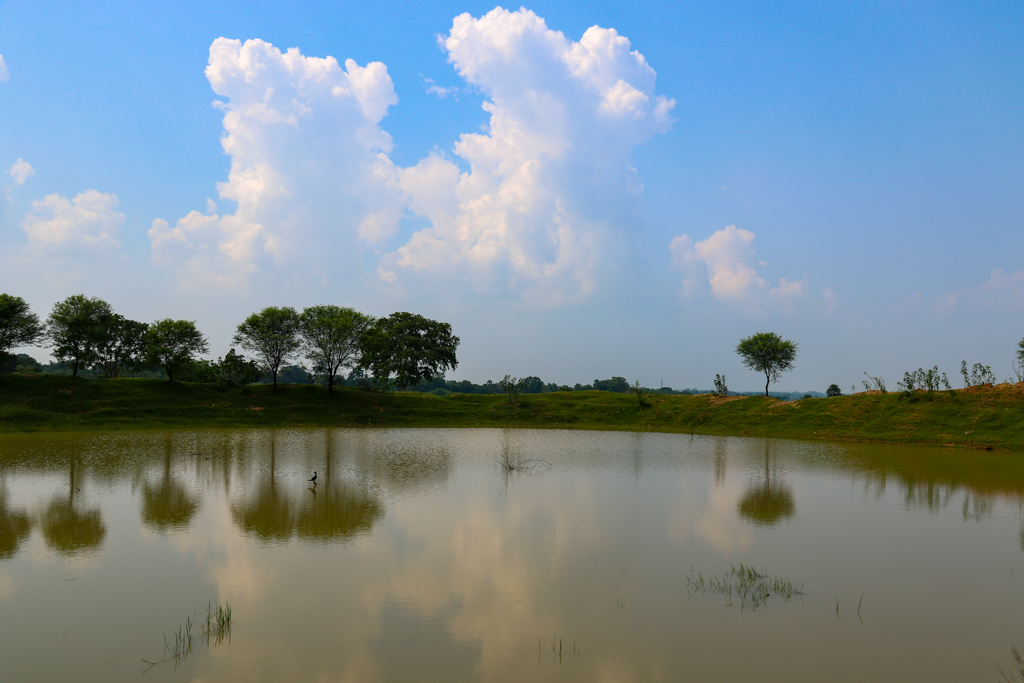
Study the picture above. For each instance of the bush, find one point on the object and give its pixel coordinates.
(720, 387)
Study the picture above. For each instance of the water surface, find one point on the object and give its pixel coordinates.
(416, 558)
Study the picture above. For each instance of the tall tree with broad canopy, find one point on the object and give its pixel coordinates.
(332, 338)
(19, 326)
(121, 344)
(172, 343)
(769, 353)
(74, 329)
(272, 334)
(409, 347)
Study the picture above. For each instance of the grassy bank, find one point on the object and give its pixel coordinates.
(980, 417)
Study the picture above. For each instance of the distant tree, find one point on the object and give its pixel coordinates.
(410, 348)
(19, 326)
(272, 334)
(332, 338)
(173, 343)
(235, 370)
(22, 363)
(74, 329)
(720, 386)
(769, 353)
(532, 385)
(120, 343)
(833, 390)
(616, 384)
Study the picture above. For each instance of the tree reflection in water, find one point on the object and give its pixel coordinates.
(329, 511)
(769, 502)
(66, 526)
(168, 503)
(15, 527)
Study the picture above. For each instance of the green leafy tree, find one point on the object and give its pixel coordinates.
(19, 326)
(272, 334)
(410, 348)
(120, 344)
(833, 391)
(75, 328)
(332, 338)
(173, 343)
(769, 353)
(235, 370)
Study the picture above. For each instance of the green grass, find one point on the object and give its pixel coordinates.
(991, 417)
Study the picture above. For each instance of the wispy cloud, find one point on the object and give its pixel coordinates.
(434, 89)
(5, 75)
(1002, 289)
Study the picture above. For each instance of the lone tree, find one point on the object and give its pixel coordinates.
(272, 334)
(172, 343)
(19, 326)
(332, 338)
(769, 353)
(75, 327)
(409, 347)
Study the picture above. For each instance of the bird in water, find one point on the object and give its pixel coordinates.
(314, 478)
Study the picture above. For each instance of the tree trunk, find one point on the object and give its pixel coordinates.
(170, 373)
(275, 380)
(768, 380)
(330, 384)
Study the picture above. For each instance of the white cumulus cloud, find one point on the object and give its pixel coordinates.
(5, 75)
(21, 171)
(546, 205)
(728, 263)
(550, 182)
(306, 150)
(89, 220)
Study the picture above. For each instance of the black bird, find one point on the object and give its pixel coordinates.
(314, 478)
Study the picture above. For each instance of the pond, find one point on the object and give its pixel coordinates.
(416, 557)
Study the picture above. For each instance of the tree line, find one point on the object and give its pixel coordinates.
(399, 350)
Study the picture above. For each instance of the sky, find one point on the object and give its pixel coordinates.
(582, 189)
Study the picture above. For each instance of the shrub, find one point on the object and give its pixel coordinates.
(720, 387)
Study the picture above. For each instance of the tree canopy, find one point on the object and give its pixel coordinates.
(19, 326)
(171, 343)
(272, 334)
(120, 343)
(75, 327)
(769, 353)
(409, 348)
(331, 338)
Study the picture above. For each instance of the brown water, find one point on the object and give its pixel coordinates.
(416, 558)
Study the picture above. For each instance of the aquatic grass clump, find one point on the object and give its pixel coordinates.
(1016, 668)
(751, 586)
(511, 458)
(216, 629)
(177, 648)
(218, 623)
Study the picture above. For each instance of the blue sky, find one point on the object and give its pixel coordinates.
(849, 175)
